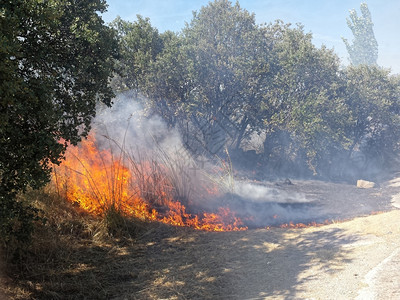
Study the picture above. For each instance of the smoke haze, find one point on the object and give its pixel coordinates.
(126, 125)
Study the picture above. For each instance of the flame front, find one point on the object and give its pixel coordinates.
(98, 179)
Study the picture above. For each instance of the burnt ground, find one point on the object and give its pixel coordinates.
(264, 204)
(354, 259)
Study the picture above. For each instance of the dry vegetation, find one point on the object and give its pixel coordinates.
(77, 256)
(73, 254)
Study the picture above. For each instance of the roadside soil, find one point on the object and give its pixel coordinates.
(357, 259)
(353, 259)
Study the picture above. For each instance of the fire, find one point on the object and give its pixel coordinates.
(98, 180)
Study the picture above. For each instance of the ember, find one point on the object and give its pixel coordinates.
(302, 225)
(98, 180)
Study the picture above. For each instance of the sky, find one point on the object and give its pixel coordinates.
(325, 19)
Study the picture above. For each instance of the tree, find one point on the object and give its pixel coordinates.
(228, 58)
(208, 74)
(301, 107)
(139, 44)
(364, 49)
(167, 85)
(223, 78)
(372, 99)
(56, 58)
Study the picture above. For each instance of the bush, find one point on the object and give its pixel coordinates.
(16, 226)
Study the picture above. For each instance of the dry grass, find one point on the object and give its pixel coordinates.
(73, 254)
(73, 257)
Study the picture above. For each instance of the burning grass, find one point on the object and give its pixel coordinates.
(117, 183)
(79, 255)
(103, 182)
(66, 259)
(75, 255)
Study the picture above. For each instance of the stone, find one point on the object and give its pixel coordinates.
(364, 184)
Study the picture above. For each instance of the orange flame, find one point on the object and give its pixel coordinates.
(98, 179)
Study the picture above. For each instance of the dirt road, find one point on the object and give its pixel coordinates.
(358, 259)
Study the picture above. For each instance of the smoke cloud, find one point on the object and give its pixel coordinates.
(125, 122)
(126, 126)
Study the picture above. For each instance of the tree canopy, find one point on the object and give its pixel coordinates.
(139, 44)
(56, 58)
(224, 78)
(364, 48)
(220, 81)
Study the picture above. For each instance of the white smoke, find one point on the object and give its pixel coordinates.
(126, 122)
(268, 205)
(126, 125)
(260, 193)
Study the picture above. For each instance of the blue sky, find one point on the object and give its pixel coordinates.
(325, 19)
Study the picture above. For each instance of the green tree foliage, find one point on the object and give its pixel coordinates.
(167, 84)
(209, 74)
(139, 45)
(364, 49)
(55, 64)
(301, 101)
(372, 96)
(223, 78)
(226, 54)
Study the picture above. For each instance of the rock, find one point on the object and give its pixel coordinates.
(288, 182)
(364, 184)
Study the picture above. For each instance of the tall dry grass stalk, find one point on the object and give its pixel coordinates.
(173, 172)
(133, 179)
(149, 179)
(181, 172)
(226, 178)
(164, 174)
